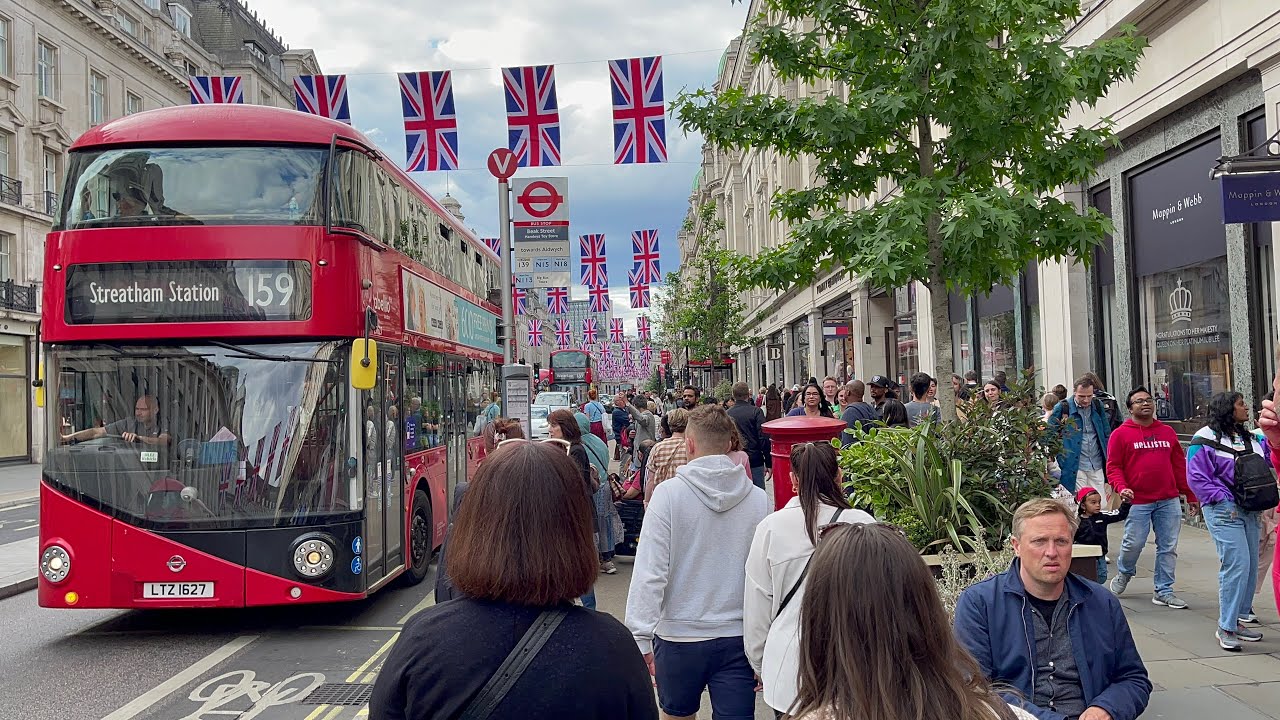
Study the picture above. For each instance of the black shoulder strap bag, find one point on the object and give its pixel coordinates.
(800, 580)
(505, 677)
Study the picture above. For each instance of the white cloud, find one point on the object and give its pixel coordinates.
(371, 41)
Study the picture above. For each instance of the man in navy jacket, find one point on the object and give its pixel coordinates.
(1061, 641)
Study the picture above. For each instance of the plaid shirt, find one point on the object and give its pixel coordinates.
(664, 459)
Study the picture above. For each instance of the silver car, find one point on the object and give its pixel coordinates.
(538, 422)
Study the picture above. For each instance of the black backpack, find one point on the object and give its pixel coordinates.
(1254, 488)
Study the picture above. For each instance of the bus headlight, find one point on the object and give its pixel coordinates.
(55, 563)
(313, 557)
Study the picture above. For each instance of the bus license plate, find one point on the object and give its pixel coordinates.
(158, 590)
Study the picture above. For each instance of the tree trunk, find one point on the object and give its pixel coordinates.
(944, 363)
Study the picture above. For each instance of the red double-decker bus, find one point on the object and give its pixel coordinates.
(265, 349)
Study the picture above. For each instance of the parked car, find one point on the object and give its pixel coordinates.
(553, 399)
(538, 422)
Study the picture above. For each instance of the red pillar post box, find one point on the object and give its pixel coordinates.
(787, 432)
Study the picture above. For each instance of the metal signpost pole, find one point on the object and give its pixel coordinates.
(508, 302)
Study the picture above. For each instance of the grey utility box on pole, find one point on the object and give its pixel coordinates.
(517, 394)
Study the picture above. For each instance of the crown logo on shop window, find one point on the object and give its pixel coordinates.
(1180, 304)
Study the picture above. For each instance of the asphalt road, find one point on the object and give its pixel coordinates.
(19, 522)
(195, 665)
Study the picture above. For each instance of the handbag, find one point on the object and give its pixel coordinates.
(800, 580)
(517, 661)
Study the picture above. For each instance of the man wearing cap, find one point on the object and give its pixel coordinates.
(880, 387)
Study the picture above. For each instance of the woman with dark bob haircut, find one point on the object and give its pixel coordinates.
(522, 545)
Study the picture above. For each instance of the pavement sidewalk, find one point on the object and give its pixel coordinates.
(18, 484)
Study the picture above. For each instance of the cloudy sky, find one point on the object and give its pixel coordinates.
(372, 40)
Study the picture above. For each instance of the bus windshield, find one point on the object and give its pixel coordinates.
(203, 436)
(136, 187)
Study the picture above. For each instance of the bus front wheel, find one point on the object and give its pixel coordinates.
(420, 540)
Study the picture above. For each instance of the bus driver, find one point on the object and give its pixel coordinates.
(143, 427)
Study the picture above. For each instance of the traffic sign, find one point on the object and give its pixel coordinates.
(540, 200)
(502, 164)
(541, 220)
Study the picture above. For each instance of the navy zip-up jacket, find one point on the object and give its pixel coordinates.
(1111, 671)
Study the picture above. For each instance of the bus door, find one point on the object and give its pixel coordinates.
(456, 421)
(383, 452)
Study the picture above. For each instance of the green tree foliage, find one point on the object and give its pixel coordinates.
(701, 310)
(654, 384)
(958, 105)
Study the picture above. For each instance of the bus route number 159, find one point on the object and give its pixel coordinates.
(270, 288)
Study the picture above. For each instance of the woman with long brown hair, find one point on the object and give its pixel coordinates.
(875, 641)
(777, 565)
(522, 551)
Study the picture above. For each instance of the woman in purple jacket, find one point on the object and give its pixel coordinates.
(1211, 475)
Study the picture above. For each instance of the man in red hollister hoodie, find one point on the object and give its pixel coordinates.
(1146, 464)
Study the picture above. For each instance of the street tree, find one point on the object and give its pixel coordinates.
(701, 312)
(959, 105)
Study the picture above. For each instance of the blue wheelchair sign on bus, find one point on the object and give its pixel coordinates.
(356, 566)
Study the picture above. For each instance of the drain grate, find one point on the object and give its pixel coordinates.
(339, 694)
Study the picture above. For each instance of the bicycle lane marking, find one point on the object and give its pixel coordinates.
(146, 700)
(319, 712)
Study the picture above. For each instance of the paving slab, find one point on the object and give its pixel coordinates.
(1258, 668)
(18, 566)
(1200, 702)
(1174, 674)
(1152, 648)
(1263, 698)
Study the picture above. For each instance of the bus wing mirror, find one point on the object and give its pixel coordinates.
(39, 383)
(364, 364)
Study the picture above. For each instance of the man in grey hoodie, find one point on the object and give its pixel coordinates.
(685, 603)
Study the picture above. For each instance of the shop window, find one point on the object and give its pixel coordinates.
(1180, 271)
(997, 339)
(1104, 289)
(1263, 284)
(1031, 318)
(961, 339)
(906, 360)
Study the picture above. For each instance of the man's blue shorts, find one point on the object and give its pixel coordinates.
(684, 669)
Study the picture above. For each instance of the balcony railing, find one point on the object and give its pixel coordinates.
(10, 190)
(17, 297)
(50, 202)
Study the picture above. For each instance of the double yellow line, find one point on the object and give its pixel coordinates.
(361, 674)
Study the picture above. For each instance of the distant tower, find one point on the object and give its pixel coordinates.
(454, 207)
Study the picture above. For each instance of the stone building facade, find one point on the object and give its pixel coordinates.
(1176, 300)
(66, 66)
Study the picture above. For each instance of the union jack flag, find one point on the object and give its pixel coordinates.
(206, 89)
(639, 292)
(646, 356)
(644, 246)
(595, 269)
(557, 300)
(535, 332)
(564, 336)
(430, 121)
(533, 117)
(587, 347)
(639, 116)
(323, 95)
(494, 244)
(589, 332)
(599, 296)
(642, 327)
(606, 355)
(520, 299)
(615, 330)
(626, 353)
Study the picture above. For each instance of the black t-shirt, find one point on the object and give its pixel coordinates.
(1045, 607)
(589, 668)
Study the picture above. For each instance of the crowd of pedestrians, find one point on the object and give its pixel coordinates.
(816, 605)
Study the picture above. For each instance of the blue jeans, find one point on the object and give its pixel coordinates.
(1166, 517)
(589, 600)
(757, 475)
(1235, 533)
(1102, 569)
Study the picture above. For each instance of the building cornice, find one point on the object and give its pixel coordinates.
(121, 40)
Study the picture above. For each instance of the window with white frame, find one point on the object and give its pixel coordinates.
(255, 51)
(145, 35)
(127, 23)
(193, 70)
(152, 4)
(6, 154)
(97, 98)
(50, 171)
(46, 70)
(6, 28)
(181, 18)
(6, 256)
(132, 103)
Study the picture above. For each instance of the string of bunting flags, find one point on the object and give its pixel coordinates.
(533, 112)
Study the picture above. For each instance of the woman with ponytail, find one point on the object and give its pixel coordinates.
(778, 564)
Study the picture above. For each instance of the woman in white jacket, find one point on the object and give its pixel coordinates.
(777, 565)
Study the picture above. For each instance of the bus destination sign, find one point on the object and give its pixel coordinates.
(189, 291)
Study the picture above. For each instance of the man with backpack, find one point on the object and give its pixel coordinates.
(750, 420)
(1083, 459)
(1146, 465)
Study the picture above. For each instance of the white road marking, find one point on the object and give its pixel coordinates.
(425, 603)
(17, 507)
(164, 689)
